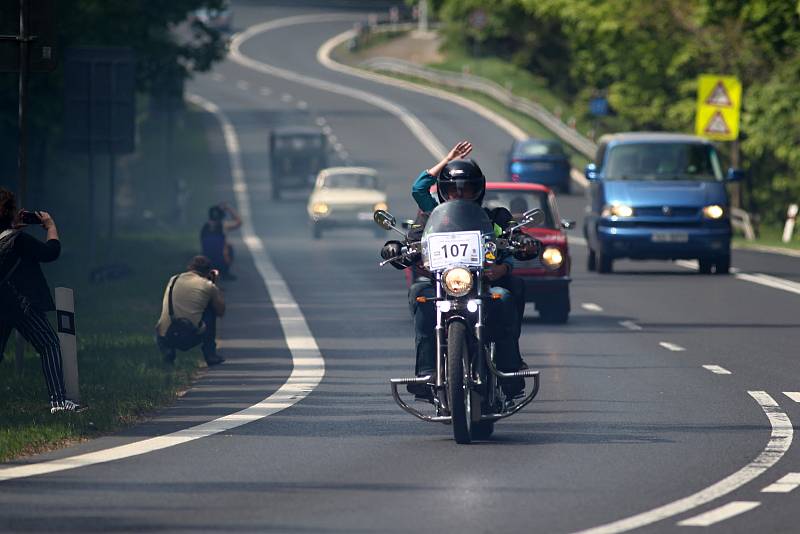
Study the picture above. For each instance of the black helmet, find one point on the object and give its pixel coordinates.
(464, 177)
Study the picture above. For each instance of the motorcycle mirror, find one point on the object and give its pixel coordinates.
(384, 219)
(533, 217)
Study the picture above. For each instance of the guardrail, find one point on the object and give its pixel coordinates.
(741, 219)
(492, 89)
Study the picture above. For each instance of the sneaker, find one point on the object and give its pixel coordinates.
(66, 405)
(216, 360)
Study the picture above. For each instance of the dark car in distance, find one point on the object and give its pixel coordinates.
(297, 154)
(540, 161)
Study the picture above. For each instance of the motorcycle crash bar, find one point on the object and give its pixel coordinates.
(446, 419)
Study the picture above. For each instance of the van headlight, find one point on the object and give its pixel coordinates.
(713, 211)
(380, 206)
(617, 210)
(457, 282)
(552, 258)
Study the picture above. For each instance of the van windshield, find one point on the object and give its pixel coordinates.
(663, 161)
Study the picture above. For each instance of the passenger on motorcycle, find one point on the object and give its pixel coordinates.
(460, 179)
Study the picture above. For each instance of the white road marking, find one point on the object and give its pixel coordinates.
(630, 325)
(591, 306)
(308, 366)
(321, 121)
(784, 485)
(217, 77)
(779, 442)
(286, 97)
(755, 278)
(770, 281)
(719, 514)
(671, 346)
(717, 370)
(332, 138)
(794, 395)
(302, 104)
(265, 91)
(417, 128)
(338, 147)
(327, 130)
(243, 85)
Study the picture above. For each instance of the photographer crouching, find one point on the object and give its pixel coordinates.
(191, 304)
(25, 296)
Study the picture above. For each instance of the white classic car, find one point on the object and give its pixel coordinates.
(346, 197)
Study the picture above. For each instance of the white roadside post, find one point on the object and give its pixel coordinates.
(788, 228)
(65, 317)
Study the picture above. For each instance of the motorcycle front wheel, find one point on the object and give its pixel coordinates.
(459, 392)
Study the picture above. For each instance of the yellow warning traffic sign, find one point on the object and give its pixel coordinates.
(719, 99)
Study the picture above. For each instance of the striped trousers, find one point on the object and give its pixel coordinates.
(37, 331)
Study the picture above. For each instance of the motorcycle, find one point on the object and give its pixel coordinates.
(457, 245)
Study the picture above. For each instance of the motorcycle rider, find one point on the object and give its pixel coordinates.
(458, 178)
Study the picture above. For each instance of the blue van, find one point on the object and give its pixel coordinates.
(658, 196)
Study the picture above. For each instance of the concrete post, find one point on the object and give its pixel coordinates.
(788, 228)
(65, 315)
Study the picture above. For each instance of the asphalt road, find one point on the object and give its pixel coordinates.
(625, 424)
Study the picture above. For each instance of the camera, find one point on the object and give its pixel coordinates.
(30, 217)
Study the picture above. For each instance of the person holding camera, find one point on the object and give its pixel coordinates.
(213, 237)
(191, 304)
(25, 297)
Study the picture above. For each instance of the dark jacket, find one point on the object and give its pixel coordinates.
(28, 278)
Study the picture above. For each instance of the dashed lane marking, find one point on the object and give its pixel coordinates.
(779, 442)
(413, 123)
(671, 346)
(302, 104)
(591, 306)
(794, 395)
(265, 91)
(719, 514)
(217, 77)
(286, 97)
(717, 370)
(327, 130)
(321, 121)
(630, 325)
(784, 484)
(243, 85)
(333, 139)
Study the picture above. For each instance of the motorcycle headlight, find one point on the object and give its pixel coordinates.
(457, 282)
(320, 208)
(713, 211)
(552, 258)
(617, 210)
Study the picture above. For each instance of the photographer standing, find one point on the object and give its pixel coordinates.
(24, 294)
(214, 240)
(190, 307)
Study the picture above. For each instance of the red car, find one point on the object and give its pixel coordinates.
(547, 277)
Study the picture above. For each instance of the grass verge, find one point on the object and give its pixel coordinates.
(122, 378)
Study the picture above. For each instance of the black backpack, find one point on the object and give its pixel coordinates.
(182, 334)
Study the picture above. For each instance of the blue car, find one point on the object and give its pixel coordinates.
(658, 196)
(540, 161)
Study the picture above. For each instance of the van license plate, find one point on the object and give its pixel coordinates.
(670, 237)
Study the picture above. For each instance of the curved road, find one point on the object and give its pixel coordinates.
(630, 429)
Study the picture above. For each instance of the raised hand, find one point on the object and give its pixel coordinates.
(460, 151)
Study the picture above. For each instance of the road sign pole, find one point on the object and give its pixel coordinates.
(22, 163)
(22, 153)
